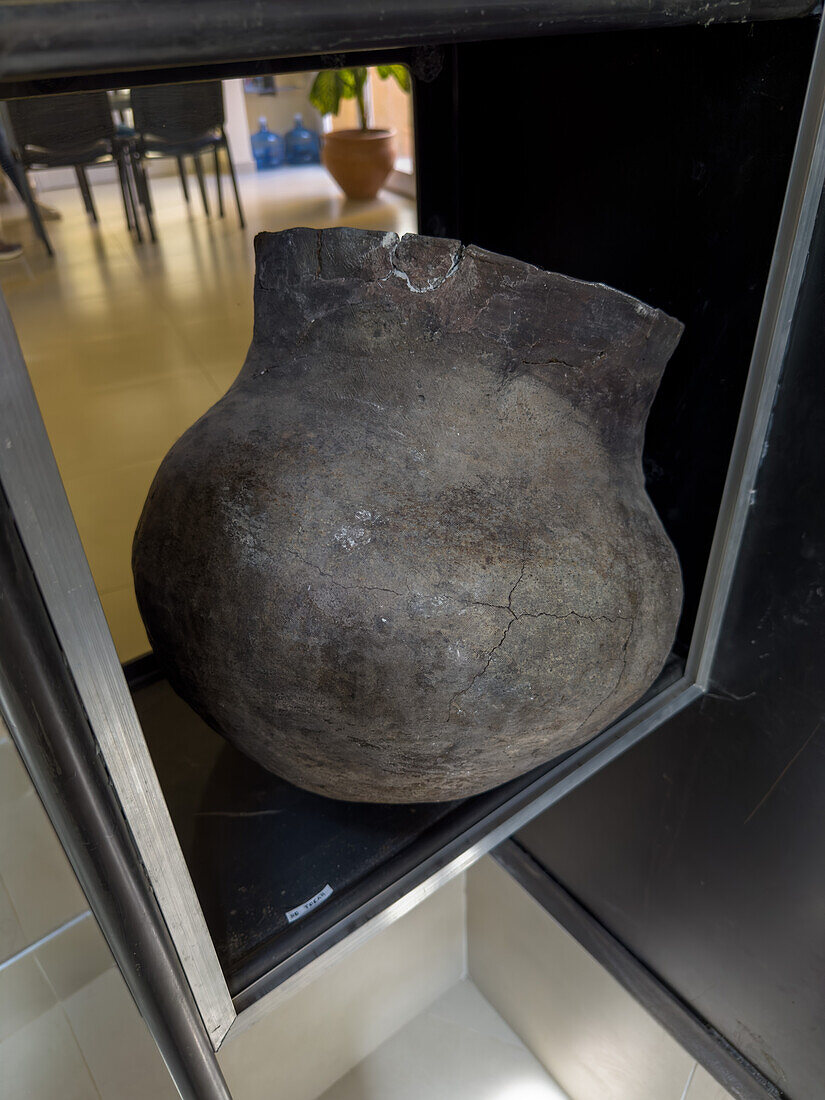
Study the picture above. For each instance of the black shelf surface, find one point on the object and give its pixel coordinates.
(258, 847)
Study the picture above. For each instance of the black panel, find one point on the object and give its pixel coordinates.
(656, 162)
(703, 849)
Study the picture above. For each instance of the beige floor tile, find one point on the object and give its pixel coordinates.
(24, 995)
(106, 507)
(115, 1042)
(464, 1005)
(12, 939)
(34, 870)
(84, 256)
(95, 430)
(49, 313)
(75, 957)
(14, 779)
(97, 347)
(42, 1061)
(704, 1087)
(220, 355)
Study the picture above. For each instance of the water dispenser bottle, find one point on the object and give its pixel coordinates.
(303, 146)
(267, 147)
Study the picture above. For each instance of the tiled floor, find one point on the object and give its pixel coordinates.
(38, 890)
(459, 1049)
(69, 1029)
(127, 345)
(73, 1032)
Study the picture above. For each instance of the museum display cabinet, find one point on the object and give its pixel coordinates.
(671, 150)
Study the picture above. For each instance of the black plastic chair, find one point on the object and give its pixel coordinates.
(69, 131)
(179, 120)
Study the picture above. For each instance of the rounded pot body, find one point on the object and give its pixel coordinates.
(409, 555)
(359, 160)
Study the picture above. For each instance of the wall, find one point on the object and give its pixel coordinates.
(237, 125)
(279, 110)
(590, 1035)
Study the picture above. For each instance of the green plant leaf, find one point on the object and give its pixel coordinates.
(330, 86)
(327, 91)
(348, 82)
(399, 72)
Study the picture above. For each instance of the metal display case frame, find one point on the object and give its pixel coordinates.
(62, 689)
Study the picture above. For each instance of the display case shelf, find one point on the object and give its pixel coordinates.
(258, 848)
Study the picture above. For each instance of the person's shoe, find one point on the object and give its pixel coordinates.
(10, 251)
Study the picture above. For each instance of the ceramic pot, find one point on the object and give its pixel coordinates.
(409, 554)
(359, 160)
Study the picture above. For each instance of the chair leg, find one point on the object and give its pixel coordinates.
(125, 192)
(86, 191)
(201, 183)
(183, 182)
(21, 180)
(142, 182)
(233, 177)
(127, 186)
(83, 184)
(142, 187)
(216, 151)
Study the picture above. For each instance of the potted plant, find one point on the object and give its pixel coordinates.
(358, 160)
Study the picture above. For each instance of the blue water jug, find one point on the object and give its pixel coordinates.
(303, 146)
(267, 147)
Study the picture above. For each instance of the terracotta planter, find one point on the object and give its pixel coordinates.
(359, 160)
(409, 554)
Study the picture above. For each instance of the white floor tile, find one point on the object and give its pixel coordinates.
(121, 1055)
(464, 1005)
(42, 1061)
(75, 957)
(704, 1087)
(36, 875)
(24, 995)
(460, 1049)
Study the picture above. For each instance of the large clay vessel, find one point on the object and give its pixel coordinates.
(409, 554)
(359, 160)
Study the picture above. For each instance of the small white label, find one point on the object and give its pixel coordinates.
(313, 903)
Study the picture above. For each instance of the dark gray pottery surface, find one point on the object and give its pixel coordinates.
(409, 554)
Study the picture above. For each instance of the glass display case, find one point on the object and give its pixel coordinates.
(678, 162)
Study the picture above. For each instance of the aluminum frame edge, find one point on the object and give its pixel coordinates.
(32, 483)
